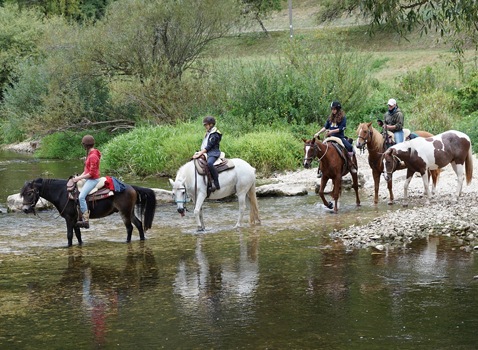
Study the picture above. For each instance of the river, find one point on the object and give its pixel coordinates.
(281, 285)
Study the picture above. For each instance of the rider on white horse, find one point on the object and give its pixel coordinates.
(210, 146)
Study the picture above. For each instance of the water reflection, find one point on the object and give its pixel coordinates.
(98, 291)
(211, 288)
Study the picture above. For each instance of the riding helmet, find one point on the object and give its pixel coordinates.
(209, 120)
(88, 140)
(335, 104)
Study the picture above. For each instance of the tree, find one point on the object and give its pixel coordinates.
(455, 20)
(148, 38)
(19, 36)
(260, 9)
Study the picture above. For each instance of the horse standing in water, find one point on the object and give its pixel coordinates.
(55, 191)
(373, 139)
(332, 166)
(421, 154)
(240, 180)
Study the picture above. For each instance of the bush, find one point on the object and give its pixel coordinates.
(162, 150)
(467, 96)
(417, 82)
(433, 112)
(68, 146)
(469, 126)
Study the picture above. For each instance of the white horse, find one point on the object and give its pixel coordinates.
(241, 180)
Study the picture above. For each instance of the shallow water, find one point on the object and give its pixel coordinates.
(282, 285)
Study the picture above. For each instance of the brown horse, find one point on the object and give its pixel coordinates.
(332, 167)
(421, 154)
(373, 139)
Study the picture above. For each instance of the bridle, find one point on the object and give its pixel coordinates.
(315, 149)
(395, 166)
(34, 193)
(365, 140)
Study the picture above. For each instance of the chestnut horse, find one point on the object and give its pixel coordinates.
(373, 139)
(332, 167)
(421, 154)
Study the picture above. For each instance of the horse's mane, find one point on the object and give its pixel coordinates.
(184, 172)
(377, 139)
(45, 183)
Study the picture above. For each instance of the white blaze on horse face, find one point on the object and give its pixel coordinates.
(307, 148)
(358, 143)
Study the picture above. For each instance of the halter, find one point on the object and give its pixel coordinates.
(316, 151)
(35, 197)
(365, 140)
(185, 195)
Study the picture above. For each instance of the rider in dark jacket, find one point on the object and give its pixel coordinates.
(210, 146)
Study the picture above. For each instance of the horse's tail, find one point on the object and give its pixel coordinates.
(469, 166)
(146, 202)
(254, 212)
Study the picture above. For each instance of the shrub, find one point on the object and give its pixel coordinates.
(433, 112)
(467, 96)
(421, 81)
(469, 126)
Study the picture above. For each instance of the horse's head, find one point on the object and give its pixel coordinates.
(364, 135)
(30, 195)
(311, 151)
(390, 163)
(180, 194)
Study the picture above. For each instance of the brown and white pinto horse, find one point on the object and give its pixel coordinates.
(373, 140)
(332, 167)
(421, 154)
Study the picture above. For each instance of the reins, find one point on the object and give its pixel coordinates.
(315, 147)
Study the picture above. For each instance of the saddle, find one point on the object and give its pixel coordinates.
(342, 151)
(221, 164)
(97, 193)
(389, 137)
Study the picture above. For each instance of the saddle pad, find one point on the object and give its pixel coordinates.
(220, 165)
(335, 139)
(406, 133)
(100, 194)
(99, 185)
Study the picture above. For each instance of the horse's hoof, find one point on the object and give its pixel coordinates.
(405, 205)
(331, 205)
(334, 212)
(391, 203)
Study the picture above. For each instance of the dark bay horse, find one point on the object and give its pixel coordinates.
(54, 191)
(373, 139)
(332, 167)
(421, 154)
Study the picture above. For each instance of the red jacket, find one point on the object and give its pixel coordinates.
(92, 164)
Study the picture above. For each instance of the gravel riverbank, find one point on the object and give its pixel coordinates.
(444, 215)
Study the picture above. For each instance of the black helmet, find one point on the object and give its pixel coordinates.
(209, 120)
(335, 104)
(88, 141)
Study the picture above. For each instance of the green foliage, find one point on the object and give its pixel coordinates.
(68, 146)
(467, 95)
(296, 90)
(422, 81)
(163, 149)
(469, 126)
(432, 112)
(19, 40)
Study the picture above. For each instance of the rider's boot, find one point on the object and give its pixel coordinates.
(84, 220)
(351, 157)
(215, 178)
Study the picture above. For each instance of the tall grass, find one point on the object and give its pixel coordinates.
(162, 150)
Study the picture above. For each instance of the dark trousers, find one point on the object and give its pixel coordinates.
(212, 169)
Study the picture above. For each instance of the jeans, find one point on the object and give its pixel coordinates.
(398, 135)
(87, 187)
(212, 169)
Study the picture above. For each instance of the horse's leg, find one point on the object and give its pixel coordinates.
(242, 207)
(355, 187)
(432, 173)
(336, 192)
(376, 180)
(198, 211)
(69, 232)
(139, 225)
(405, 187)
(426, 187)
(78, 234)
(323, 183)
(460, 174)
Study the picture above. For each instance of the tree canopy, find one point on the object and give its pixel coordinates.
(455, 21)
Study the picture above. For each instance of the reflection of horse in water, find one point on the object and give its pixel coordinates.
(211, 286)
(98, 291)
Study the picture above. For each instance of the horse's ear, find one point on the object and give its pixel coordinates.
(305, 141)
(171, 182)
(369, 124)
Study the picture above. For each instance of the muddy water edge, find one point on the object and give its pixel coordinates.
(282, 285)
